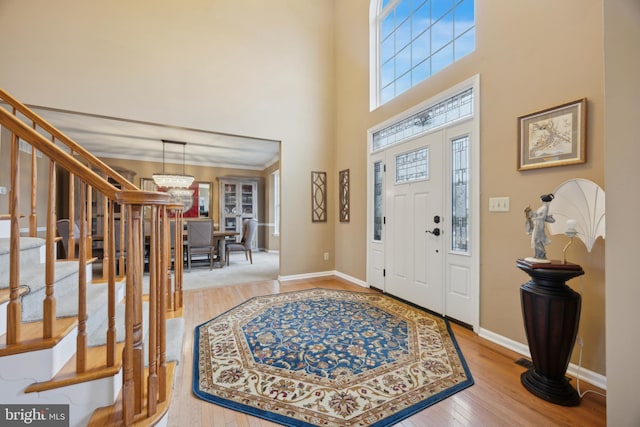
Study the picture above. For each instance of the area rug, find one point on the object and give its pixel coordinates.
(323, 357)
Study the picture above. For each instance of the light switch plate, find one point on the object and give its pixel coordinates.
(499, 204)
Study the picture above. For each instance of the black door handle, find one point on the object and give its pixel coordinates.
(435, 231)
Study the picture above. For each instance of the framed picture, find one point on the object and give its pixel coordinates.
(318, 196)
(343, 179)
(553, 137)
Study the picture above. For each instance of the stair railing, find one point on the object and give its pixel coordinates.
(82, 167)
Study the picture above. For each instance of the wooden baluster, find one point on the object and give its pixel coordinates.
(166, 235)
(89, 239)
(178, 257)
(81, 339)
(121, 260)
(14, 308)
(72, 217)
(33, 222)
(135, 249)
(107, 213)
(109, 253)
(152, 380)
(162, 309)
(133, 359)
(49, 303)
(160, 277)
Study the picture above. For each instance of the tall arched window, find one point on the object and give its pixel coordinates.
(415, 39)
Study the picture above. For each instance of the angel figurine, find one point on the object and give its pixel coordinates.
(535, 226)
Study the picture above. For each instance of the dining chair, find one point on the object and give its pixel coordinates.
(200, 241)
(62, 228)
(249, 227)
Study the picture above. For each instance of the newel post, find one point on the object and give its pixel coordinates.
(133, 353)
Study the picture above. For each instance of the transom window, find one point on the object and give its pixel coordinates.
(418, 38)
(456, 107)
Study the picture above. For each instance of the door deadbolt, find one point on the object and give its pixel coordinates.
(436, 219)
(435, 231)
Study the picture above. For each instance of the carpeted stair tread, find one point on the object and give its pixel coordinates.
(67, 306)
(25, 243)
(34, 276)
(99, 334)
(31, 253)
(175, 333)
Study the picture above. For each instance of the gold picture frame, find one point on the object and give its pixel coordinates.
(555, 136)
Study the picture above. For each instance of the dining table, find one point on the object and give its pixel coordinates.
(220, 239)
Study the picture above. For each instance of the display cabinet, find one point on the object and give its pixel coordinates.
(238, 200)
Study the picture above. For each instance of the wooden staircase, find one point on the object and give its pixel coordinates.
(105, 346)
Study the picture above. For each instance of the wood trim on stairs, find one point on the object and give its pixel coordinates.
(112, 415)
(68, 376)
(32, 337)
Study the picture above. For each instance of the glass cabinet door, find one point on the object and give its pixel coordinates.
(230, 206)
(247, 200)
(238, 201)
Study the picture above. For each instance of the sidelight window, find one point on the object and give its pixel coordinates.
(460, 195)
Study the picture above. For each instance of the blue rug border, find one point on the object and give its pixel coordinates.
(291, 422)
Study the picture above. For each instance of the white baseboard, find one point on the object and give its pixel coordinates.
(307, 276)
(352, 279)
(583, 374)
(324, 274)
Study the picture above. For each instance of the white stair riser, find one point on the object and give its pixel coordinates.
(43, 364)
(83, 399)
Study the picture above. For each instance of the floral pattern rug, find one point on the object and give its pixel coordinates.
(323, 357)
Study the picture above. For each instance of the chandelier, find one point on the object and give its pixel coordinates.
(173, 182)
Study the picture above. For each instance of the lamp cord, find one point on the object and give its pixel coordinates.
(581, 344)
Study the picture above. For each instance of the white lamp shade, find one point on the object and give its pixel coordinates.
(582, 201)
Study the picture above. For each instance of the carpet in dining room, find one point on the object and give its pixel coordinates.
(327, 357)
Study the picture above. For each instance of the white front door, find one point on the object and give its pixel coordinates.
(423, 212)
(414, 201)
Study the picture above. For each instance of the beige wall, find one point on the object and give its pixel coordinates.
(247, 67)
(528, 59)
(289, 71)
(622, 68)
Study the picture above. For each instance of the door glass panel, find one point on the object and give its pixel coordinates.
(460, 195)
(412, 166)
(377, 200)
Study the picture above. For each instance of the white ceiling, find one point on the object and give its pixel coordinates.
(128, 139)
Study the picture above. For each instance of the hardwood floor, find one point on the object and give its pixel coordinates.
(496, 399)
